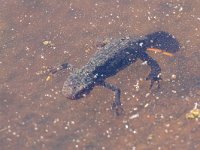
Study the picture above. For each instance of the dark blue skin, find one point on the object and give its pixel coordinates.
(108, 61)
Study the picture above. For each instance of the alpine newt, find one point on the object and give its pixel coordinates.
(109, 60)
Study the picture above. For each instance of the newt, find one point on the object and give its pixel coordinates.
(108, 61)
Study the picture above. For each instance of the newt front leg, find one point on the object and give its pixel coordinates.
(117, 103)
(55, 69)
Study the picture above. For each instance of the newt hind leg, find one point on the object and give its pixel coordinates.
(59, 68)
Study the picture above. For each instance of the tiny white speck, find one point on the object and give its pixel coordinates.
(126, 126)
(133, 148)
(134, 116)
(147, 94)
(173, 91)
(41, 56)
(141, 44)
(56, 120)
(144, 63)
(145, 106)
(173, 76)
(181, 8)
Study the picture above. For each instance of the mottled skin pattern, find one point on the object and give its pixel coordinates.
(108, 61)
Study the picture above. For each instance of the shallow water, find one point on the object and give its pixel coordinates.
(35, 115)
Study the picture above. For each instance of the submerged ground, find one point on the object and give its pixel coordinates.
(41, 33)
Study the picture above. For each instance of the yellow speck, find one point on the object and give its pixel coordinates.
(48, 43)
(48, 78)
(193, 114)
(196, 112)
(189, 116)
(87, 50)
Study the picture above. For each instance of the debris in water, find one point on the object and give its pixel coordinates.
(48, 43)
(194, 113)
(134, 116)
(173, 76)
(48, 78)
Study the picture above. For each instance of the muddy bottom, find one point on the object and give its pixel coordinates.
(38, 34)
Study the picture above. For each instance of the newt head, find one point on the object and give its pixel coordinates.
(163, 41)
(76, 87)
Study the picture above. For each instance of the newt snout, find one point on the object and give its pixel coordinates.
(75, 88)
(68, 92)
